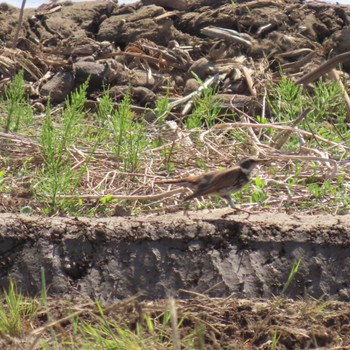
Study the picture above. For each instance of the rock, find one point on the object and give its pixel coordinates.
(126, 28)
(190, 86)
(339, 43)
(175, 5)
(74, 20)
(84, 69)
(139, 78)
(202, 67)
(144, 96)
(59, 86)
(99, 73)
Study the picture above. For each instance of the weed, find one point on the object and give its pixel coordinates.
(57, 175)
(17, 111)
(274, 341)
(129, 139)
(206, 110)
(163, 107)
(258, 194)
(291, 276)
(16, 313)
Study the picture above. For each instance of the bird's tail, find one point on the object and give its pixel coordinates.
(179, 182)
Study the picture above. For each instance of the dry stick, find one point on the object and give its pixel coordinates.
(333, 74)
(282, 138)
(19, 25)
(38, 332)
(249, 81)
(298, 64)
(20, 140)
(255, 139)
(247, 118)
(151, 197)
(295, 53)
(308, 158)
(190, 98)
(273, 126)
(209, 145)
(261, 3)
(174, 324)
(280, 156)
(228, 34)
(324, 68)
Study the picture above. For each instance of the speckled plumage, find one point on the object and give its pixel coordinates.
(219, 182)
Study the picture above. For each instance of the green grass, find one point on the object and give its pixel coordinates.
(57, 175)
(129, 139)
(111, 150)
(15, 108)
(206, 111)
(327, 115)
(16, 312)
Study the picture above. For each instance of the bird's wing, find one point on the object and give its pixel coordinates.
(221, 180)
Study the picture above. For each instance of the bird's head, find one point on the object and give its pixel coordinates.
(248, 164)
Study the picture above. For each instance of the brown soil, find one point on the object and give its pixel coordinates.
(202, 252)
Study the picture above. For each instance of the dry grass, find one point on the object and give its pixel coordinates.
(202, 323)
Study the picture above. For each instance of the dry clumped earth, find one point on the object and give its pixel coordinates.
(226, 271)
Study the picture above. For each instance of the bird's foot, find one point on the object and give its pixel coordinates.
(237, 209)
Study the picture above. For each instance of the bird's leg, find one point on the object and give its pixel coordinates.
(229, 201)
(232, 205)
(186, 206)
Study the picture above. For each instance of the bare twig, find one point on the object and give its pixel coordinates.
(333, 74)
(19, 24)
(150, 197)
(324, 68)
(282, 138)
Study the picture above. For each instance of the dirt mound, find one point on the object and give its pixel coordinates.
(245, 43)
(157, 256)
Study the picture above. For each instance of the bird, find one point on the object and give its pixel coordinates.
(219, 182)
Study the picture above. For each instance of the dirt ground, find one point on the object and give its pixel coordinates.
(115, 258)
(227, 274)
(245, 259)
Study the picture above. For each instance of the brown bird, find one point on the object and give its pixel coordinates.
(219, 182)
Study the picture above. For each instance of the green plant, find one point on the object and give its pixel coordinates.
(149, 332)
(16, 107)
(326, 118)
(57, 175)
(291, 276)
(285, 100)
(104, 109)
(16, 312)
(274, 341)
(129, 139)
(206, 110)
(258, 194)
(2, 177)
(328, 104)
(163, 107)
